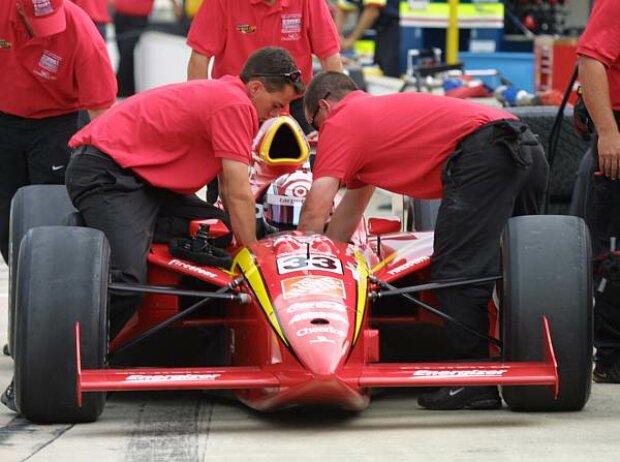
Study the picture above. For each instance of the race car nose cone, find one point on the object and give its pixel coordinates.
(320, 347)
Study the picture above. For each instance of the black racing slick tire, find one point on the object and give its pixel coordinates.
(32, 206)
(62, 279)
(548, 272)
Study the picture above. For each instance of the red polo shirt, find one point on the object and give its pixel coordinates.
(55, 75)
(176, 135)
(397, 142)
(96, 9)
(134, 7)
(601, 41)
(231, 30)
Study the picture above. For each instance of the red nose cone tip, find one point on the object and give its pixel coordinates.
(321, 349)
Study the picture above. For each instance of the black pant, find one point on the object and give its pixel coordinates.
(387, 47)
(497, 172)
(128, 30)
(132, 214)
(101, 28)
(602, 214)
(32, 151)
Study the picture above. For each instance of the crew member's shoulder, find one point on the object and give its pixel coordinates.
(226, 92)
(80, 28)
(231, 86)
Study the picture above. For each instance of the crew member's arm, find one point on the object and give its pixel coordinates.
(206, 37)
(593, 77)
(369, 15)
(198, 66)
(349, 212)
(340, 16)
(332, 63)
(237, 196)
(318, 204)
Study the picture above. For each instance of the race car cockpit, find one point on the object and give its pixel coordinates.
(280, 175)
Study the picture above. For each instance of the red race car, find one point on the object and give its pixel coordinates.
(301, 316)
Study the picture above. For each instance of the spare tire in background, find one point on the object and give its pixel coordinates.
(571, 148)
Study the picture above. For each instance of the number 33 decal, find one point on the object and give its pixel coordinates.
(315, 262)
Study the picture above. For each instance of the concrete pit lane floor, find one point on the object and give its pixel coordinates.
(192, 427)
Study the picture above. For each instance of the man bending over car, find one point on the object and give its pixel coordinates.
(142, 162)
(482, 162)
(135, 169)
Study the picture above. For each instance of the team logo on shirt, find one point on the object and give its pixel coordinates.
(245, 28)
(5, 44)
(48, 65)
(291, 26)
(42, 7)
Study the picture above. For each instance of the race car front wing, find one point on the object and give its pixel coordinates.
(355, 376)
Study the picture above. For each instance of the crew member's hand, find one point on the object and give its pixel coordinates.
(313, 137)
(346, 43)
(609, 154)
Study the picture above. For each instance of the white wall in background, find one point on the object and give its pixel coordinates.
(160, 59)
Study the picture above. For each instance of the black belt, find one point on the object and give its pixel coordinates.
(486, 133)
(510, 133)
(28, 121)
(91, 150)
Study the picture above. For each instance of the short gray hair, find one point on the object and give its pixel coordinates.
(337, 84)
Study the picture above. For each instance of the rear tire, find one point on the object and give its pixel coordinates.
(32, 206)
(62, 278)
(548, 272)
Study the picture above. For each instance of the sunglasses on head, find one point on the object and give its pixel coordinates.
(293, 76)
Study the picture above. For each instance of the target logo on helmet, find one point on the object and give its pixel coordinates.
(285, 197)
(295, 185)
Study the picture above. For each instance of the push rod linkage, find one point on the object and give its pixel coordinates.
(218, 294)
(446, 317)
(431, 286)
(141, 288)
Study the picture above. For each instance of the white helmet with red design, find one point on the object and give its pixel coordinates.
(284, 198)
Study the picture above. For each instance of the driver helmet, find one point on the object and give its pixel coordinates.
(284, 198)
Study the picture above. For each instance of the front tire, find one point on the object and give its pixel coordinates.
(62, 278)
(32, 206)
(548, 272)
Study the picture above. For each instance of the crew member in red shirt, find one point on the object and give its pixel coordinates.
(130, 20)
(599, 74)
(141, 163)
(53, 63)
(230, 30)
(482, 162)
(98, 12)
